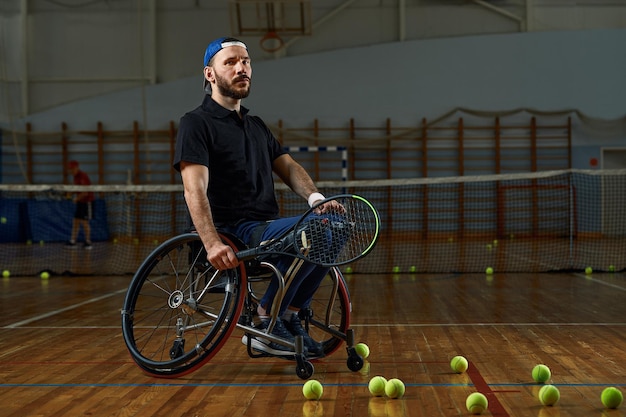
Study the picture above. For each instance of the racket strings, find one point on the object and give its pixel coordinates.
(336, 238)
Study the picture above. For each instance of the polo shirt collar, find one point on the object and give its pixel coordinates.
(211, 106)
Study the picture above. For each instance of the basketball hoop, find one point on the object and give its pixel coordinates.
(271, 42)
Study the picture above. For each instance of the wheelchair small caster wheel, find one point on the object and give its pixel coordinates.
(355, 363)
(305, 369)
(178, 349)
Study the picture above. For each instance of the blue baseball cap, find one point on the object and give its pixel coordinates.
(216, 46)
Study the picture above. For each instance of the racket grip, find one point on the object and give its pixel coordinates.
(246, 254)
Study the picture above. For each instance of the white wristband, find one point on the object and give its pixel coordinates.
(315, 197)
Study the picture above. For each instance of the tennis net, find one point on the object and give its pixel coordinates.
(547, 221)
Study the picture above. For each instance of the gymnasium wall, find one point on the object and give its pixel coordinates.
(548, 71)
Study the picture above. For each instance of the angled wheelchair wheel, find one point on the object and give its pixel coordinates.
(179, 311)
(330, 311)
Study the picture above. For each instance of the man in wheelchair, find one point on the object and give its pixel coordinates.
(227, 158)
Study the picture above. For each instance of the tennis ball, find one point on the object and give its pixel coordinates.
(45, 275)
(611, 268)
(396, 269)
(362, 349)
(459, 364)
(549, 395)
(541, 373)
(589, 270)
(611, 397)
(6, 273)
(489, 247)
(312, 389)
(3, 220)
(412, 269)
(489, 270)
(394, 388)
(495, 242)
(476, 403)
(377, 386)
(348, 270)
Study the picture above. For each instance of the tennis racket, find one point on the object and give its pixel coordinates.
(335, 231)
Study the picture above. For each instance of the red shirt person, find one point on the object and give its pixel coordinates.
(84, 210)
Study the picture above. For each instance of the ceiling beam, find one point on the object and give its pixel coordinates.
(501, 11)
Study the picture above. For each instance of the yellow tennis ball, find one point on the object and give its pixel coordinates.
(6, 273)
(459, 364)
(3, 220)
(348, 270)
(549, 395)
(362, 349)
(611, 268)
(412, 268)
(396, 269)
(541, 373)
(377, 386)
(312, 389)
(589, 270)
(489, 270)
(476, 403)
(394, 388)
(45, 275)
(611, 397)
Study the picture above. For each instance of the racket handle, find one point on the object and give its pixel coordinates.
(246, 254)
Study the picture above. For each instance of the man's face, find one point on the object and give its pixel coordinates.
(232, 71)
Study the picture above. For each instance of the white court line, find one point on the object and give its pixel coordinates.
(552, 324)
(388, 325)
(586, 277)
(61, 310)
(608, 284)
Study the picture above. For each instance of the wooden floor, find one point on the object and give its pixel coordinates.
(62, 351)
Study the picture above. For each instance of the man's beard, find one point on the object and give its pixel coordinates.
(226, 89)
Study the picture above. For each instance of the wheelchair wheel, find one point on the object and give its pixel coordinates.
(179, 311)
(330, 309)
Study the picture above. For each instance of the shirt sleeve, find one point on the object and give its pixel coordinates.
(191, 142)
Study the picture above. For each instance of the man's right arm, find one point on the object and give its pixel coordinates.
(195, 182)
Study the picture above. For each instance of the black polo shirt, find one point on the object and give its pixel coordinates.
(239, 153)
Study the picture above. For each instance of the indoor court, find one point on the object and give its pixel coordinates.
(62, 351)
(507, 271)
(487, 138)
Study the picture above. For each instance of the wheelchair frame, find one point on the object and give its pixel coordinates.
(179, 311)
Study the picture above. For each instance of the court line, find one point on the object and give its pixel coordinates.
(293, 384)
(551, 324)
(62, 310)
(494, 405)
(598, 281)
(19, 325)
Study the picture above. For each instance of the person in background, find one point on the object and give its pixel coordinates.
(84, 209)
(227, 158)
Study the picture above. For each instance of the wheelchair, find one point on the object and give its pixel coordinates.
(179, 311)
